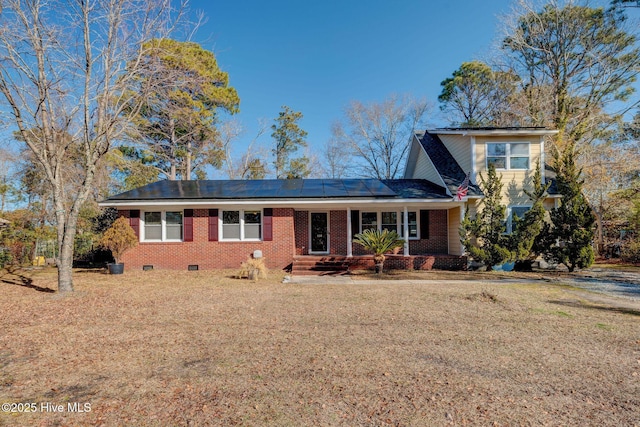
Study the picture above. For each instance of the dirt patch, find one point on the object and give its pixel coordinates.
(198, 348)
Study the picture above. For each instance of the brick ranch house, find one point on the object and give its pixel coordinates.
(218, 224)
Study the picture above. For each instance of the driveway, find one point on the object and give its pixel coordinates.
(605, 281)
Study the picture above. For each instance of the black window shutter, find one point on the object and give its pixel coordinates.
(267, 223)
(188, 225)
(355, 223)
(134, 221)
(424, 224)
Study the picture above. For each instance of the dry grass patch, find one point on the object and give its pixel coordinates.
(165, 348)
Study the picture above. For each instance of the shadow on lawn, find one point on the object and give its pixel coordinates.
(579, 304)
(19, 279)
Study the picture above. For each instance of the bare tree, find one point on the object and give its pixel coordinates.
(7, 158)
(337, 157)
(251, 165)
(379, 133)
(64, 70)
(607, 168)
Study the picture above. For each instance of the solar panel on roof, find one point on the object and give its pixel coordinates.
(266, 188)
(249, 189)
(356, 188)
(237, 189)
(334, 188)
(312, 188)
(290, 188)
(378, 189)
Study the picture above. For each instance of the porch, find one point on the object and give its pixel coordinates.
(340, 264)
(431, 233)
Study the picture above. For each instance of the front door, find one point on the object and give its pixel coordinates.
(319, 232)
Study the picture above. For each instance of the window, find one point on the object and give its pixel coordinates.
(252, 226)
(369, 221)
(231, 225)
(413, 225)
(389, 220)
(514, 211)
(153, 226)
(508, 155)
(241, 225)
(173, 224)
(162, 226)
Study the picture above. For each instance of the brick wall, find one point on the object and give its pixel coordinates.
(301, 226)
(413, 262)
(338, 230)
(290, 237)
(438, 241)
(278, 253)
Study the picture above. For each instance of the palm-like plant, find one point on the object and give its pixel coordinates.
(379, 242)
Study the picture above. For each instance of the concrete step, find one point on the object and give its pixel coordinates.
(318, 273)
(322, 268)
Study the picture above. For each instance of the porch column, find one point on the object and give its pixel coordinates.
(406, 231)
(349, 242)
(463, 209)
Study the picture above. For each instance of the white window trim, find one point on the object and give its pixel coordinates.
(163, 227)
(241, 213)
(399, 217)
(509, 229)
(508, 155)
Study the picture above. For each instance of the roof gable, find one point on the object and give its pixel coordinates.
(446, 165)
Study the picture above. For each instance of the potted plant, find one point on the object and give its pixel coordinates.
(379, 242)
(118, 239)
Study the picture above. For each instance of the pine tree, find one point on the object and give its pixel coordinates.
(289, 137)
(570, 236)
(483, 236)
(524, 240)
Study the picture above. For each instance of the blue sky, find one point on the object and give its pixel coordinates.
(316, 57)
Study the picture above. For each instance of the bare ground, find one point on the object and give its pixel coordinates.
(200, 348)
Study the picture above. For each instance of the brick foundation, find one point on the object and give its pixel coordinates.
(412, 262)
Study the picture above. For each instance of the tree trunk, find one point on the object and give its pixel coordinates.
(173, 159)
(600, 245)
(187, 172)
(65, 266)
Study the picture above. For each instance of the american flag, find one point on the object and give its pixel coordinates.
(463, 188)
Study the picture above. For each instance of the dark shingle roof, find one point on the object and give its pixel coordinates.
(416, 189)
(283, 189)
(450, 171)
(472, 128)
